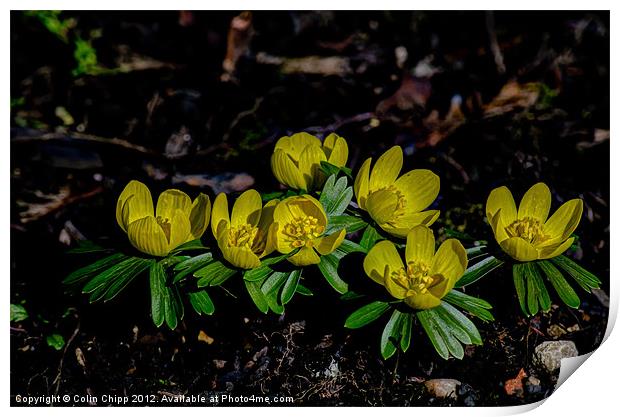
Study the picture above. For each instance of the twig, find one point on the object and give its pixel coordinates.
(497, 52)
(37, 211)
(337, 125)
(242, 115)
(62, 359)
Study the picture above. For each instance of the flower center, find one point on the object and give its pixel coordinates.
(527, 228)
(242, 235)
(164, 223)
(415, 278)
(303, 231)
(401, 200)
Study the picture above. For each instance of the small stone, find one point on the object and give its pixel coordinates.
(203, 337)
(555, 331)
(219, 363)
(532, 385)
(514, 386)
(550, 354)
(443, 387)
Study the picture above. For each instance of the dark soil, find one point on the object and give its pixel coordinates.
(232, 123)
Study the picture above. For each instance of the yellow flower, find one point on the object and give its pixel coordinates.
(175, 221)
(244, 236)
(527, 234)
(396, 203)
(300, 223)
(296, 160)
(427, 275)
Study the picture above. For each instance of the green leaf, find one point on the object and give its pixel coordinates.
(157, 279)
(478, 270)
(18, 313)
(584, 278)
(110, 282)
(405, 331)
(271, 287)
(347, 247)
(264, 270)
(451, 335)
(330, 169)
(303, 290)
(539, 287)
(564, 290)
(391, 335)
(272, 196)
(195, 244)
(350, 295)
(518, 276)
(191, 265)
(456, 319)
(350, 223)
(55, 341)
(119, 284)
(290, 286)
(177, 302)
(257, 296)
(476, 252)
(86, 246)
(424, 317)
(370, 237)
(93, 269)
(329, 268)
(201, 302)
(336, 196)
(472, 305)
(367, 314)
(213, 274)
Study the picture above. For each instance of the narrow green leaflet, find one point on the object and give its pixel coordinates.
(406, 325)
(159, 292)
(213, 274)
(93, 269)
(391, 335)
(336, 195)
(584, 278)
(304, 291)
(518, 276)
(479, 270)
(329, 268)
(457, 319)
(330, 169)
(201, 302)
(538, 285)
(122, 281)
(257, 296)
(18, 313)
(367, 314)
(370, 237)
(271, 288)
(475, 306)
(264, 270)
(476, 252)
(344, 221)
(290, 286)
(564, 290)
(425, 319)
(87, 246)
(195, 244)
(110, 282)
(191, 265)
(445, 335)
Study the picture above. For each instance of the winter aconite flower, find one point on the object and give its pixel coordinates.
(300, 223)
(243, 237)
(296, 160)
(527, 234)
(175, 221)
(396, 203)
(426, 276)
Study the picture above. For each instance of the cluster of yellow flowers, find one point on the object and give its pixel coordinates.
(297, 225)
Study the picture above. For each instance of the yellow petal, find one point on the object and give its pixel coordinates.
(147, 236)
(283, 243)
(137, 202)
(361, 184)
(241, 257)
(247, 209)
(395, 289)
(310, 166)
(381, 205)
(498, 226)
(422, 301)
(519, 249)
(327, 244)
(295, 144)
(450, 261)
(552, 252)
(420, 188)
(381, 255)
(265, 228)
(387, 168)
(172, 200)
(199, 215)
(336, 150)
(306, 256)
(535, 203)
(220, 217)
(180, 229)
(285, 170)
(565, 220)
(400, 226)
(299, 207)
(420, 245)
(501, 199)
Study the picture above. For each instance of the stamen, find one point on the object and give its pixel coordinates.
(415, 278)
(164, 223)
(529, 229)
(303, 230)
(243, 235)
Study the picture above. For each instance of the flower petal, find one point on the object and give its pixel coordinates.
(395, 289)
(241, 257)
(199, 215)
(535, 203)
(285, 170)
(552, 252)
(382, 254)
(219, 217)
(400, 226)
(420, 245)
(136, 201)
(420, 188)
(247, 209)
(327, 244)
(306, 256)
(501, 199)
(310, 166)
(336, 150)
(296, 143)
(450, 261)
(180, 229)
(172, 200)
(565, 219)
(264, 228)
(147, 236)
(386, 169)
(302, 206)
(361, 184)
(422, 301)
(381, 205)
(519, 249)
(283, 243)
